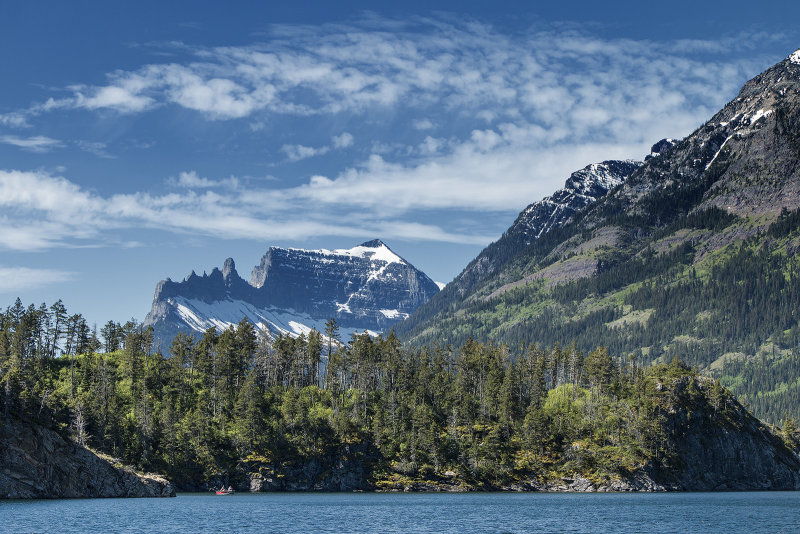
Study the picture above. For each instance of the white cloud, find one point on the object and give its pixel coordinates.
(300, 152)
(44, 211)
(22, 278)
(16, 119)
(94, 147)
(430, 146)
(191, 180)
(344, 140)
(38, 143)
(429, 65)
(119, 98)
(423, 124)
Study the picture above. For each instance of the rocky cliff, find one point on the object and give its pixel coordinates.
(291, 291)
(38, 463)
(711, 443)
(719, 445)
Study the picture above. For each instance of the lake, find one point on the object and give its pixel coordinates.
(430, 512)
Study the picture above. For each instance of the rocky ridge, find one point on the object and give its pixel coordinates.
(710, 441)
(38, 463)
(582, 189)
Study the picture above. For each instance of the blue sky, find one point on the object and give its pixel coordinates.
(144, 140)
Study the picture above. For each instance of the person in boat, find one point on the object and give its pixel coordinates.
(230, 489)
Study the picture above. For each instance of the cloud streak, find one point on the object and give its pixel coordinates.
(24, 278)
(38, 143)
(45, 211)
(543, 74)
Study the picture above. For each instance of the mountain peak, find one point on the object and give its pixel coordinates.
(375, 250)
(794, 57)
(582, 188)
(661, 147)
(228, 268)
(375, 243)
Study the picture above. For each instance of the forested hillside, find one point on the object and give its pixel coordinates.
(260, 414)
(692, 256)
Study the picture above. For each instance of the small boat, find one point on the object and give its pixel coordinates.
(223, 491)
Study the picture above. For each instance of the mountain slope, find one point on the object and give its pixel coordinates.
(692, 256)
(581, 189)
(291, 291)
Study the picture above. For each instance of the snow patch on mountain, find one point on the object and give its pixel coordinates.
(374, 251)
(713, 159)
(199, 316)
(795, 57)
(760, 113)
(393, 314)
(582, 188)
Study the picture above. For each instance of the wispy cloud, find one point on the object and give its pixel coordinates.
(45, 211)
(423, 124)
(16, 119)
(492, 121)
(300, 152)
(191, 180)
(96, 148)
(344, 140)
(23, 278)
(38, 143)
(420, 64)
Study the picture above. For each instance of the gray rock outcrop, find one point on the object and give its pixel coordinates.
(38, 463)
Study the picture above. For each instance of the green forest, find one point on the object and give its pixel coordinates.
(233, 405)
(653, 305)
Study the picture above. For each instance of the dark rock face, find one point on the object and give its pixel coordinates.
(368, 287)
(343, 468)
(726, 448)
(754, 135)
(661, 147)
(582, 188)
(38, 463)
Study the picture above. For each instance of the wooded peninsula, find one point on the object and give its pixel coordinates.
(315, 413)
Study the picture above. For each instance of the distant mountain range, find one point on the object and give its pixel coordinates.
(291, 291)
(689, 254)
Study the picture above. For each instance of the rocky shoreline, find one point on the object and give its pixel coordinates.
(38, 463)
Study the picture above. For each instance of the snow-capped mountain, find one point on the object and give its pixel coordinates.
(582, 188)
(291, 291)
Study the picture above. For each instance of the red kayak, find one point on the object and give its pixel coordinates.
(225, 492)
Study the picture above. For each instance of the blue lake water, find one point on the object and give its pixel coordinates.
(457, 513)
